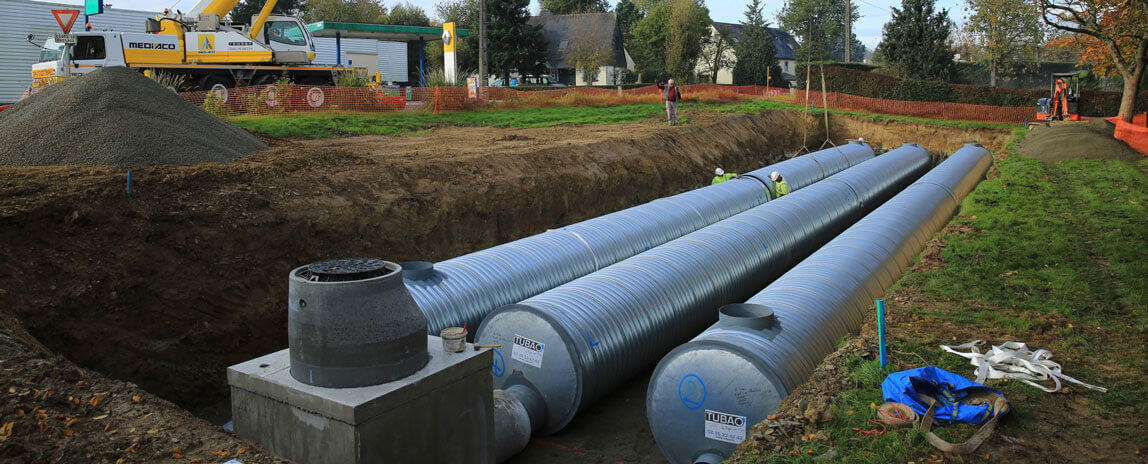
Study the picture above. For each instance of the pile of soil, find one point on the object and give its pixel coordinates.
(1060, 141)
(116, 116)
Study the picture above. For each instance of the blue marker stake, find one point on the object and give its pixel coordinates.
(881, 330)
(129, 183)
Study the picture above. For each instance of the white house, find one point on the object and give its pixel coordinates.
(563, 32)
(730, 34)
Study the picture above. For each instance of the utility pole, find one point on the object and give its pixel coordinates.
(848, 32)
(481, 47)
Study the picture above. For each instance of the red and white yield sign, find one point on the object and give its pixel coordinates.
(65, 24)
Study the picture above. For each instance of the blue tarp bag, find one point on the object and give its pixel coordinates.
(953, 398)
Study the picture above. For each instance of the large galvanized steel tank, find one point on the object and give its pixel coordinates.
(465, 289)
(573, 344)
(706, 394)
(351, 323)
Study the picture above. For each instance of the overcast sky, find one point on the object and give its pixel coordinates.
(874, 13)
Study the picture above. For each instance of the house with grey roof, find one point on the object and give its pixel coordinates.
(593, 37)
(730, 34)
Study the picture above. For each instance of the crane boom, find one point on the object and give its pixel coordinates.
(215, 7)
(257, 25)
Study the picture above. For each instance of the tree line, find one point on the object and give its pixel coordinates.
(666, 38)
(673, 38)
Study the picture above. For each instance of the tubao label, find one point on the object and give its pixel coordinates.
(725, 427)
(527, 351)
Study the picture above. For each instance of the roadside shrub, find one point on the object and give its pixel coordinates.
(174, 82)
(649, 76)
(350, 78)
(626, 76)
(213, 104)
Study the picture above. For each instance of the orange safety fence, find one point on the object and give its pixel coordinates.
(456, 98)
(283, 98)
(933, 110)
(280, 98)
(1134, 133)
(596, 96)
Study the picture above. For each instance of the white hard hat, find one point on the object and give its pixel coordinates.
(775, 176)
(718, 171)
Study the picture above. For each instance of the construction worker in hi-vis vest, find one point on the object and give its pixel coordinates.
(722, 176)
(779, 183)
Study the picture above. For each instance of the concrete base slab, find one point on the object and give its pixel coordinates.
(441, 413)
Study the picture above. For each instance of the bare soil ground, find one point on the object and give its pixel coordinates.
(612, 431)
(1062, 140)
(937, 139)
(167, 287)
(61, 413)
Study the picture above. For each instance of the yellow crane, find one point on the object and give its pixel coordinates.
(202, 45)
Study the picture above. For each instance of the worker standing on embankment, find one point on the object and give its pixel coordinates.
(779, 183)
(672, 95)
(722, 176)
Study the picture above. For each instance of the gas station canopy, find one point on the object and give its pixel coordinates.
(387, 32)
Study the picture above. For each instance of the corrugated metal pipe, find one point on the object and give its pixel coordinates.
(467, 288)
(706, 394)
(563, 349)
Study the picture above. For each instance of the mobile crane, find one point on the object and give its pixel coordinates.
(201, 46)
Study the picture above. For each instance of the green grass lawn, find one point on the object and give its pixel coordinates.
(1055, 255)
(341, 124)
(328, 125)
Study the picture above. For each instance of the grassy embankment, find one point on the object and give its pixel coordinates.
(329, 125)
(339, 124)
(1055, 255)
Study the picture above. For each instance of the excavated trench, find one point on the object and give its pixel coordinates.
(189, 275)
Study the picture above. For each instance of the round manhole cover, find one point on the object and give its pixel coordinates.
(341, 270)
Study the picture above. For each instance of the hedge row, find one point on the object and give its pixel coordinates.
(884, 86)
(840, 64)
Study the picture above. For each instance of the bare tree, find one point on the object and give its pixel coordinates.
(716, 52)
(1006, 32)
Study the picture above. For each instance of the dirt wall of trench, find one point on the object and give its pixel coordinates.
(188, 275)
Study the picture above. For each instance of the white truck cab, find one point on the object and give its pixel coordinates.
(92, 50)
(289, 40)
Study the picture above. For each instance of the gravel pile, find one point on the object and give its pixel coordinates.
(1059, 141)
(115, 116)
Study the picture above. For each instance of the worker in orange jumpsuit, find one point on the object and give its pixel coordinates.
(1060, 100)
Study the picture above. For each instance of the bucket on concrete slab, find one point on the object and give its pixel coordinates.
(453, 339)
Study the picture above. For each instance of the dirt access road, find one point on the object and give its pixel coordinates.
(168, 287)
